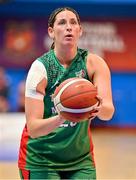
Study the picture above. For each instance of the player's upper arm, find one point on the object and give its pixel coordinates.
(99, 71)
(36, 81)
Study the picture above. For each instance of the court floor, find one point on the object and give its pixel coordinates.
(115, 155)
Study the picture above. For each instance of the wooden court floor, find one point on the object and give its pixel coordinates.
(115, 155)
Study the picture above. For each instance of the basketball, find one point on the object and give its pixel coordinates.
(75, 99)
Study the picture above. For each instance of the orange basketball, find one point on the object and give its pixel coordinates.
(75, 98)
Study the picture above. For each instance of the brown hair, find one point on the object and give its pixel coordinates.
(53, 15)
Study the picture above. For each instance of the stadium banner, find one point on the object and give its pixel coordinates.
(23, 40)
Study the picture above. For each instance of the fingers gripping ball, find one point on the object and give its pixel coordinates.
(75, 98)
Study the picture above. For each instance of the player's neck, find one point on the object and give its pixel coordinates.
(65, 55)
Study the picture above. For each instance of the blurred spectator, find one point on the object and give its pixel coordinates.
(4, 91)
(21, 97)
(4, 105)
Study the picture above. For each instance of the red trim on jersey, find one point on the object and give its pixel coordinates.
(91, 145)
(23, 149)
(25, 174)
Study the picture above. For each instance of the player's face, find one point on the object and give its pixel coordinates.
(66, 29)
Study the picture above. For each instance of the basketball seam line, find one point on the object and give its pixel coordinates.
(78, 94)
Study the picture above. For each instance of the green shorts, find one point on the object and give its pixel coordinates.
(85, 174)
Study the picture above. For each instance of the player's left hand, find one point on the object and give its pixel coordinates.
(96, 109)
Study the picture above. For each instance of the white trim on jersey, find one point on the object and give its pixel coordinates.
(36, 73)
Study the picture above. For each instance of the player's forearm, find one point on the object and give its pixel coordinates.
(106, 112)
(42, 127)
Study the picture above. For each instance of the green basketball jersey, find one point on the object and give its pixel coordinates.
(68, 147)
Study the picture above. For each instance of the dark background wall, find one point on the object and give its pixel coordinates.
(95, 8)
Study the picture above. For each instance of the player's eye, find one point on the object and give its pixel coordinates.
(62, 21)
(73, 21)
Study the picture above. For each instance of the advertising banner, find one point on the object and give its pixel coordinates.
(23, 40)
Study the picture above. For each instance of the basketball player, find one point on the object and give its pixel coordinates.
(51, 146)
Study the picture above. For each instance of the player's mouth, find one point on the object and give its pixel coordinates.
(69, 36)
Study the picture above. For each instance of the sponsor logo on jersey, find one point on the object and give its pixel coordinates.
(80, 74)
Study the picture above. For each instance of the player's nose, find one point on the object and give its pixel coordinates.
(69, 27)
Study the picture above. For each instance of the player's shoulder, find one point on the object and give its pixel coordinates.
(46, 55)
(37, 64)
(96, 62)
(95, 59)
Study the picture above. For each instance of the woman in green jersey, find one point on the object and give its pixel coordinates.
(52, 147)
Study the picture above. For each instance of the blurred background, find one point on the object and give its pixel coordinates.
(109, 31)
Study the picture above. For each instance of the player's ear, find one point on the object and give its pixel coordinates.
(51, 32)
